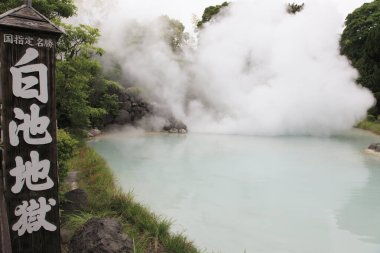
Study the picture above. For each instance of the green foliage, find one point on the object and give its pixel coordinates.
(358, 26)
(66, 146)
(293, 8)
(73, 81)
(78, 40)
(84, 96)
(210, 13)
(52, 9)
(373, 125)
(360, 43)
(169, 30)
(134, 91)
(174, 33)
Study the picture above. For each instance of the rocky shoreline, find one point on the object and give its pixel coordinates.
(374, 148)
(134, 108)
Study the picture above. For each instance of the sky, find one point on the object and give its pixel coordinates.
(182, 10)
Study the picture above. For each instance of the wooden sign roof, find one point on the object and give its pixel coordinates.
(26, 17)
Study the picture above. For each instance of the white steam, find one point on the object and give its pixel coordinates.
(257, 70)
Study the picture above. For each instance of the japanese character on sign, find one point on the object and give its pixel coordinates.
(33, 125)
(8, 38)
(29, 41)
(33, 216)
(19, 40)
(49, 43)
(24, 87)
(31, 173)
(40, 42)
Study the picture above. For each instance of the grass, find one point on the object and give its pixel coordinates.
(373, 126)
(149, 232)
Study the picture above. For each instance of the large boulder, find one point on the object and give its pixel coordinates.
(101, 236)
(75, 201)
(175, 126)
(374, 147)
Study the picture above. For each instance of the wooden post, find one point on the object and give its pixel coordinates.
(28, 3)
(27, 78)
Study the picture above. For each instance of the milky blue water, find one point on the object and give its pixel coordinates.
(260, 194)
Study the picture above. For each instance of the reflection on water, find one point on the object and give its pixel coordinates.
(364, 203)
(267, 195)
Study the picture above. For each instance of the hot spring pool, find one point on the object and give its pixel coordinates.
(235, 194)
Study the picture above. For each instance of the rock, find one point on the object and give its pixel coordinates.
(101, 236)
(182, 131)
(66, 236)
(375, 147)
(123, 118)
(133, 109)
(173, 131)
(127, 106)
(94, 132)
(75, 201)
(175, 126)
(71, 180)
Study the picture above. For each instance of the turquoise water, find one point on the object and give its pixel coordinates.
(259, 194)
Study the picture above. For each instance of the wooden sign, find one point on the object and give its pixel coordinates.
(27, 57)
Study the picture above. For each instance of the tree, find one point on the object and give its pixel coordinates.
(358, 25)
(52, 9)
(174, 33)
(360, 43)
(78, 40)
(84, 95)
(294, 8)
(210, 13)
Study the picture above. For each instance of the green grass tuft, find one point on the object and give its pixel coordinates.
(373, 126)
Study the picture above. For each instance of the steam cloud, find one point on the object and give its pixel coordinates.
(257, 70)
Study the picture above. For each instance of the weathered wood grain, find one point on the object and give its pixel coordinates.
(41, 241)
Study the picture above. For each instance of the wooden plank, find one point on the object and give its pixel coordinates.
(28, 13)
(42, 240)
(28, 24)
(5, 240)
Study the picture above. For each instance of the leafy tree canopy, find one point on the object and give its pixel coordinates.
(84, 95)
(293, 8)
(358, 25)
(174, 32)
(52, 9)
(360, 43)
(78, 40)
(210, 13)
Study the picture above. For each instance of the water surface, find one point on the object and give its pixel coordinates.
(259, 194)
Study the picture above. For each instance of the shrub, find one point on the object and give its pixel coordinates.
(66, 146)
(371, 118)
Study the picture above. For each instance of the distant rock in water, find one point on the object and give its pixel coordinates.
(374, 147)
(101, 236)
(175, 126)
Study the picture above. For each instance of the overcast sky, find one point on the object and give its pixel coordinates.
(92, 10)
